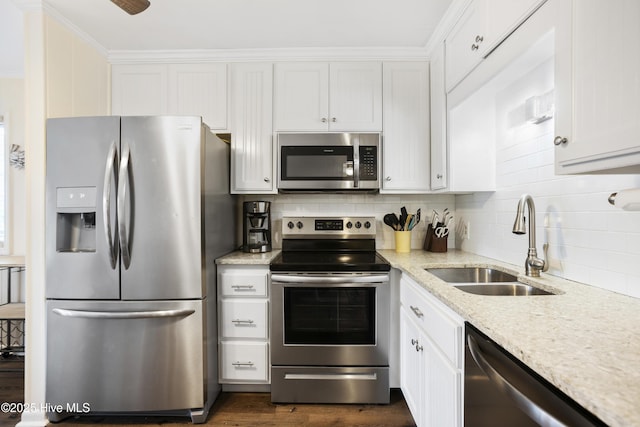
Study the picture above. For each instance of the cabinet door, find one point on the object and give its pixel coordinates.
(503, 17)
(139, 90)
(411, 366)
(301, 97)
(600, 115)
(355, 96)
(199, 90)
(464, 42)
(406, 127)
(443, 384)
(438, 120)
(252, 154)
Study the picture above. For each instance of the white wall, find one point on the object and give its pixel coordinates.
(12, 104)
(590, 241)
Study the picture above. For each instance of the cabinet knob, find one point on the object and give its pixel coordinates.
(267, 179)
(479, 39)
(474, 47)
(323, 120)
(559, 140)
(333, 119)
(388, 178)
(439, 176)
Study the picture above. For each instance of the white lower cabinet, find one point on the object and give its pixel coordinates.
(243, 324)
(431, 357)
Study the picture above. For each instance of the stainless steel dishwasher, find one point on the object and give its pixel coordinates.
(499, 390)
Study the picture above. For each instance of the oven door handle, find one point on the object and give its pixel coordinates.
(328, 280)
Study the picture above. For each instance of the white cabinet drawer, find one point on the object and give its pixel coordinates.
(243, 319)
(441, 326)
(244, 362)
(243, 283)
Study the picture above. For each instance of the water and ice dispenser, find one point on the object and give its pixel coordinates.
(76, 219)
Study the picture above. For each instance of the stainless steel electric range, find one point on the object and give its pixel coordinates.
(330, 313)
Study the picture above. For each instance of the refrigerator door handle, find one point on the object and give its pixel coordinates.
(83, 314)
(109, 172)
(123, 187)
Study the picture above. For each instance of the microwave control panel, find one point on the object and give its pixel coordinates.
(368, 163)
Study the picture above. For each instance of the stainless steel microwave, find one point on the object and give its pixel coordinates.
(329, 162)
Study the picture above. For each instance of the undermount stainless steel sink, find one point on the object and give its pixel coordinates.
(486, 281)
(502, 289)
(472, 275)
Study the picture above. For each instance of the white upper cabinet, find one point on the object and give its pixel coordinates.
(252, 152)
(406, 128)
(463, 43)
(199, 90)
(598, 108)
(483, 25)
(317, 96)
(139, 90)
(438, 120)
(179, 89)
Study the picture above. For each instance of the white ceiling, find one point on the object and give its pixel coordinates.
(256, 24)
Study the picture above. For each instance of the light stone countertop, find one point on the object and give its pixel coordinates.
(239, 258)
(584, 340)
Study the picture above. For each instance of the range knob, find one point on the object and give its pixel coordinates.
(299, 224)
(358, 224)
(290, 224)
(367, 225)
(349, 224)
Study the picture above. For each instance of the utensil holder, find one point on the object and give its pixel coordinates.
(433, 243)
(403, 241)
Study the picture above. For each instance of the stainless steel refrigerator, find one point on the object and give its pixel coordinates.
(137, 210)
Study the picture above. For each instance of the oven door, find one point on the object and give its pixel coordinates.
(333, 319)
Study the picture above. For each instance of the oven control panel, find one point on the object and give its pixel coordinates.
(316, 227)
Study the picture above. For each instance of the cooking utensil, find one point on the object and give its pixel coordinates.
(434, 219)
(403, 218)
(391, 220)
(409, 221)
(441, 231)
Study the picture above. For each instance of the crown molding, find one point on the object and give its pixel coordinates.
(53, 13)
(451, 16)
(271, 55)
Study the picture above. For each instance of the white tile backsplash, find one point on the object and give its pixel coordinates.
(590, 241)
(376, 205)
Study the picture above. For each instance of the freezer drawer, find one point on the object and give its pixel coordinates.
(126, 356)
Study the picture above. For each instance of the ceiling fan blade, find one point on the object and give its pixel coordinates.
(132, 7)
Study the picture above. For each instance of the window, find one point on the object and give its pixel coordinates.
(3, 187)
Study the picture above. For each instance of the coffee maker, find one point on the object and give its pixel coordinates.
(257, 227)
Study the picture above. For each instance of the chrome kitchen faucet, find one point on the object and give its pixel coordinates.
(533, 265)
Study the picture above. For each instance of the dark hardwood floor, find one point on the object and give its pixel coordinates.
(256, 409)
(11, 387)
(231, 409)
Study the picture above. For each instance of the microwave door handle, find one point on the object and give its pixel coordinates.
(356, 162)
